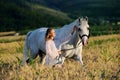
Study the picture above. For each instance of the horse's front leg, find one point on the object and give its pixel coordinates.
(79, 58)
(43, 60)
(62, 59)
(79, 55)
(42, 57)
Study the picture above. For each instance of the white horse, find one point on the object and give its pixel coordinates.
(35, 41)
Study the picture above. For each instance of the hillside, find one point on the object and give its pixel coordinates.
(30, 14)
(21, 15)
(98, 9)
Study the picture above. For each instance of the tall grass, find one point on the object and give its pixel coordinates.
(7, 33)
(101, 62)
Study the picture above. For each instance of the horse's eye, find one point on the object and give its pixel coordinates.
(79, 29)
(88, 28)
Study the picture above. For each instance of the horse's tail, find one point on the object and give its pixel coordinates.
(26, 48)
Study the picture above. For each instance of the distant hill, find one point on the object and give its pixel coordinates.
(30, 14)
(21, 15)
(99, 9)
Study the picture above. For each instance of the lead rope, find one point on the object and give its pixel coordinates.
(73, 47)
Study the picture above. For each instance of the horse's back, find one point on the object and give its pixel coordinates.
(37, 39)
(38, 32)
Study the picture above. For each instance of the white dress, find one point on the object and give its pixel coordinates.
(52, 54)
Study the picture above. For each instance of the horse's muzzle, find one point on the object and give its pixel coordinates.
(84, 41)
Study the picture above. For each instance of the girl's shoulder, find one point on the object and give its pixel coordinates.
(49, 41)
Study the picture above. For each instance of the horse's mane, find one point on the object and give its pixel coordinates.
(66, 29)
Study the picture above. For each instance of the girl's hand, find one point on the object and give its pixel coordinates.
(59, 52)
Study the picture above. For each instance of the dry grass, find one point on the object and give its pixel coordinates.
(101, 59)
(8, 39)
(7, 33)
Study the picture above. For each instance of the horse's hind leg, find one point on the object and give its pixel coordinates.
(32, 56)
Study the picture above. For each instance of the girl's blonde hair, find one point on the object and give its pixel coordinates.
(48, 34)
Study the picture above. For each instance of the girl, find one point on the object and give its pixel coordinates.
(52, 53)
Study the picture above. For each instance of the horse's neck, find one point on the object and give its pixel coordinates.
(75, 39)
(66, 29)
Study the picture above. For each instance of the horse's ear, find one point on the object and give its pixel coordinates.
(86, 18)
(79, 19)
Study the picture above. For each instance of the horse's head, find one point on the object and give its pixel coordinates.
(83, 29)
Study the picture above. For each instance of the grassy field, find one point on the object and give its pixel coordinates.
(101, 61)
